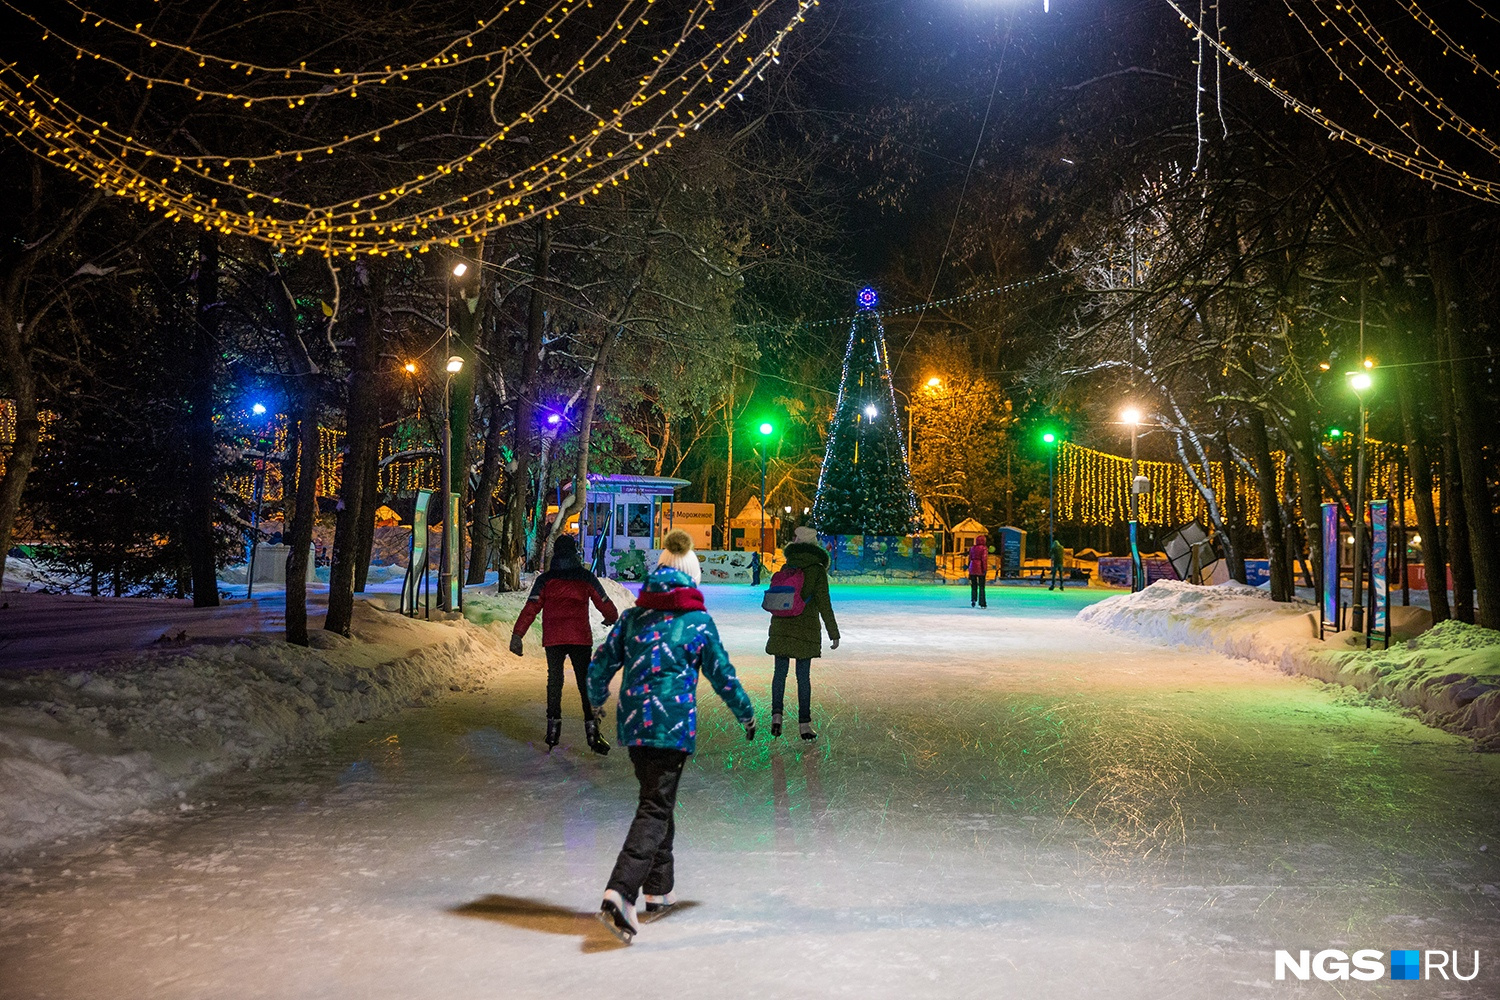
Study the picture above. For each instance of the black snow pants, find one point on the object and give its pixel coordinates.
(804, 687)
(976, 590)
(580, 657)
(645, 862)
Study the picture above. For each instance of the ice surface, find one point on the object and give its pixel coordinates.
(1002, 803)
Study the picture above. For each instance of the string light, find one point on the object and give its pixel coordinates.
(217, 192)
(1418, 160)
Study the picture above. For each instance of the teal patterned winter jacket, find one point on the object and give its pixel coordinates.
(662, 645)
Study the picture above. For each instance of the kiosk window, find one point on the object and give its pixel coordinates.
(638, 524)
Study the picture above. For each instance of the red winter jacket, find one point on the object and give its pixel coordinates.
(979, 558)
(562, 596)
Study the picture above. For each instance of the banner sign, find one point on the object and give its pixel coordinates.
(1331, 596)
(416, 566)
(885, 555)
(1138, 571)
(1380, 564)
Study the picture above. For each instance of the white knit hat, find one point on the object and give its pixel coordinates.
(677, 553)
(805, 534)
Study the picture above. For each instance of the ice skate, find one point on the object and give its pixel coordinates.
(775, 725)
(591, 733)
(554, 733)
(658, 906)
(618, 916)
(807, 730)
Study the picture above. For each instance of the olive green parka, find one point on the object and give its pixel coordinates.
(800, 637)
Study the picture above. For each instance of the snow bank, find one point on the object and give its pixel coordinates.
(82, 748)
(1449, 675)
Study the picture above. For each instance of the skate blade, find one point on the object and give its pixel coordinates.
(651, 916)
(622, 934)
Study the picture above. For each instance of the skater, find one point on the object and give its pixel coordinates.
(979, 568)
(562, 595)
(796, 633)
(1057, 565)
(662, 645)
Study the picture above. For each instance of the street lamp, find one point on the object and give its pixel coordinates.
(1050, 440)
(1132, 416)
(1360, 383)
(766, 430)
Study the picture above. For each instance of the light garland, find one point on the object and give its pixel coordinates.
(1418, 161)
(1093, 487)
(664, 107)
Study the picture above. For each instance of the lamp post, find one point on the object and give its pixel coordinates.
(258, 410)
(1132, 416)
(455, 364)
(1050, 440)
(766, 430)
(1360, 383)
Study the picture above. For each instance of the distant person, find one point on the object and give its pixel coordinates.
(662, 645)
(800, 609)
(1057, 565)
(755, 569)
(979, 568)
(562, 595)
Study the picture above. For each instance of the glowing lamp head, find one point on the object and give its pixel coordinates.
(1049, 437)
(460, 269)
(259, 409)
(1369, 363)
(455, 365)
(934, 382)
(866, 298)
(554, 419)
(1334, 432)
(410, 368)
(870, 411)
(1324, 366)
(1360, 381)
(766, 429)
(1130, 415)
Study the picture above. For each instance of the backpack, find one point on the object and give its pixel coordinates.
(784, 599)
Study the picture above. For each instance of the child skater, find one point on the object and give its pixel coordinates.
(562, 595)
(662, 645)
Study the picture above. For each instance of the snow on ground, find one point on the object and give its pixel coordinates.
(1449, 675)
(108, 707)
(503, 608)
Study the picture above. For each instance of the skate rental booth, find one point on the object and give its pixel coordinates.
(624, 523)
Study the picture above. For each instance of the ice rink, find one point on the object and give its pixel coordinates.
(1001, 803)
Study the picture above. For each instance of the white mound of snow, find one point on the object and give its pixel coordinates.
(82, 748)
(1449, 675)
(500, 610)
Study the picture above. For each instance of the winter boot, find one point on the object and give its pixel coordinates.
(591, 733)
(658, 906)
(618, 916)
(776, 724)
(554, 733)
(807, 731)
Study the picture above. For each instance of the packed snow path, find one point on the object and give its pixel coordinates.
(1000, 803)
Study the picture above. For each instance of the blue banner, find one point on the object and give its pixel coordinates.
(1137, 571)
(416, 566)
(1380, 564)
(1331, 603)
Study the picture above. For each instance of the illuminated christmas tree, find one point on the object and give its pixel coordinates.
(865, 485)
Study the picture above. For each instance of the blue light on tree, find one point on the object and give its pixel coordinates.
(866, 298)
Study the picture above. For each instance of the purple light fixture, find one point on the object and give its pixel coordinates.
(866, 298)
(553, 418)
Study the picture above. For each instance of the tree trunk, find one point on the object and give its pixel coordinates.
(364, 541)
(576, 501)
(299, 532)
(483, 543)
(1455, 517)
(517, 499)
(1271, 528)
(1309, 495)
(28, 428)
(361, 452)
(1234, 552)
(1419, 467)
(1478, 503)
(201, 472)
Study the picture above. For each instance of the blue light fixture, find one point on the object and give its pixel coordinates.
(259, 409)
(866, 298)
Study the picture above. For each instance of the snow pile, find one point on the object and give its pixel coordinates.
(500, 610)
(81, 748)
(1449, 675)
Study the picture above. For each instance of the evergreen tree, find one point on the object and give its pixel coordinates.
(865, 486)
